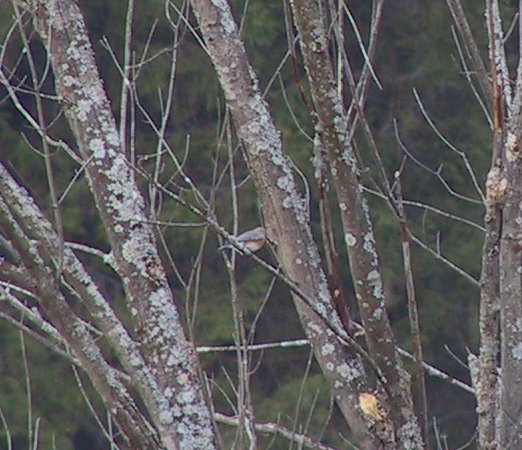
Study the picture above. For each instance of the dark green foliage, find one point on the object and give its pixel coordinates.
(415, 51)
(56, 402)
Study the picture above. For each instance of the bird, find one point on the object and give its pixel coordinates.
(252, 240)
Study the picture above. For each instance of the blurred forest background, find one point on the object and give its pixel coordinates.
(416, 53)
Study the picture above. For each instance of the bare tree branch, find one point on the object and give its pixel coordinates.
(413, 312)
(472, 50)
(165, 349)
(358, 231)
(284, 208)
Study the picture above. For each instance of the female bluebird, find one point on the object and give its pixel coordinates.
(253, 240)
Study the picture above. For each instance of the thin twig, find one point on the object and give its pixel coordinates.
(413, 312)
(467, 74)
(6, 428)
(253, 347)
(461, 154)
(28, 394)
(431, 370)
(434, 372)
(436, 173)
(42, 125)
(39, 338)
(472, 50)
(245, 406)
(367, 58)
(271, 427)
(91, 407)
(124, 93)
(446, 261)
(427, 207)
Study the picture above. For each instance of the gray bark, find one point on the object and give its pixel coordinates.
(286, 216)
